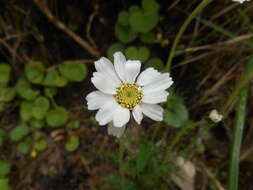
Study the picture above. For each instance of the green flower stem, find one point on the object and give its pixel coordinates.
(196, 11)
(237, 138)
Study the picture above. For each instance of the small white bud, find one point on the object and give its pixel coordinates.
(215, 116)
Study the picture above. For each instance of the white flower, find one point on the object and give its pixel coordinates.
(215, 116)
(240, 1)
(122, 91)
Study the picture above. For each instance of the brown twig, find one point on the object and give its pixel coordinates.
(89, 24)
(61, 26)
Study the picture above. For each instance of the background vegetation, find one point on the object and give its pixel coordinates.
(50, 141)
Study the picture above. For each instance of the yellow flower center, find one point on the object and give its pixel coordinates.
(128, 95)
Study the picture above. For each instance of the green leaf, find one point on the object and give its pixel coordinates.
(143, 21)
(150, 5)
(119, 182)
(143, 157)
(5, 168)
(140, 53)
(114, 48)
(72, 144)
(125, 34)
(25, 111)
(50, 92)
(40, 107)
(73, 71)
(123, 18)
(5, 71)
(74, 124)
(7, 94)
(53, 79)
(25, 91)
(156, 63)
(24, 147)
(4, 184)
(35, 72)
(37, 123)
(19, 132)
(40, 145)
(57, 117)
(148, 38)
(176, 113)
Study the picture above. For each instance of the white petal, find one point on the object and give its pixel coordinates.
(137, 113)
(106, 112)
(153, 111)
(115, 131)
(120, 64)
(155, 97)
(121, 116)
(104, 65)
(132, 70)
(159, 83)
(104, 83)
(147, 76)
(97, 99)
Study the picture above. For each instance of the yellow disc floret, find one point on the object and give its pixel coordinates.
(128, 95)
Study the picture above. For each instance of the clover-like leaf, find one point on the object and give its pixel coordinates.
(5, 71)
(73, 71)
(25, 110)
(123, 18)
(57, 117)
(137, 53)
(50, 92)
(35, 71)
(114, 48)
(53, 79)
(40, 107)
(40, 145)
(25, 90)
(125, 34)
(5, 168)
(24, 147)
(176, 113)
(150, 5)
(142, 21)
(7, 94)
(148, 38)
(72, 144)
(37, 123)
(19, 132)
(155, 63)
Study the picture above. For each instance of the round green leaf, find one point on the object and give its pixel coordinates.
(176, 113)
(156, 63)
(40, 145)
(5, 71)
(37, 123)
(53, 79)
(134, 53)
(143, 21)
(35, 72)
(125, 34)
(73, 71)
(150, 5)
(114, 48)
(19, 132)
(7, 94)
(24, 147)
(72, 144)
(4, 184)
(40, 107)
(5, 168)
(123, 18)
(57, 117)
(25, 91)
(148, 38)
(25, 111)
